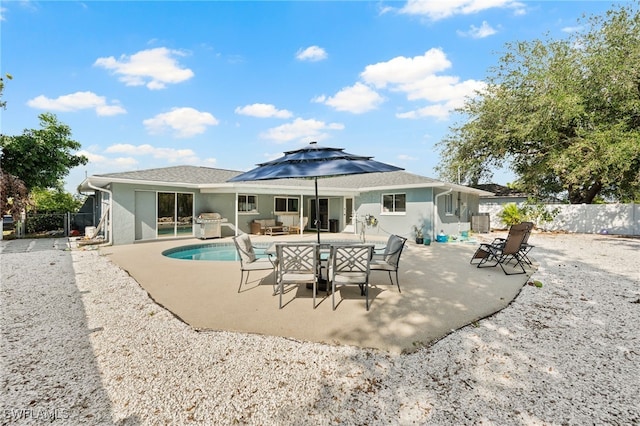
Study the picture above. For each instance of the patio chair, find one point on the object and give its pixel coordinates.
(501, 253)
(249, 262)
(525, 247)
(349, 265)
(297, 264)
(389, 259)
(295, 229)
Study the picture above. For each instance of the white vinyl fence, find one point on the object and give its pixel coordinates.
(619, 219)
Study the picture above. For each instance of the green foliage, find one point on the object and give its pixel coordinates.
(511, 214)
(42, 157)
(538, 213)
(563, 114)
(3, 104)
(37, 223)
(531, 211)
(54, 201)
(418, 231)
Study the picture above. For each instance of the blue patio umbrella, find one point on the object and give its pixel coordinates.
(313, 162)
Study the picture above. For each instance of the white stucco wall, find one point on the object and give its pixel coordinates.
(621, 219)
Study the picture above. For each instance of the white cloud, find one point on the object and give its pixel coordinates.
(311, 54)
(417, 78)
(119, 162)
(404, 157)
(485, 30)
(93, 158)
(170, 154)
(301, 130)
(572, 29)
(436, 88)
(356, 99)
(154, 68)
(76, 102)
(263, 111)
(438, 111)
(185, 122)
(440, 9)
(403, 70)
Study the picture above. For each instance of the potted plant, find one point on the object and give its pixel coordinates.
(419, 235)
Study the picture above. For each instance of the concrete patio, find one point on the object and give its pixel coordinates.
(441, 292)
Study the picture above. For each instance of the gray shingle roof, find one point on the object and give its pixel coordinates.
(204, 176)
(372, 180)
(176, 174)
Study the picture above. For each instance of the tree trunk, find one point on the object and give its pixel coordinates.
(584, 196)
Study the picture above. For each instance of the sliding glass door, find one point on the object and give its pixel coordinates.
(175, 214)
(324, 213)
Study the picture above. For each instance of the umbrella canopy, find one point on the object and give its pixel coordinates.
(315, 161)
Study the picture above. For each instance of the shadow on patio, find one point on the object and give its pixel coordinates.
(441, 292)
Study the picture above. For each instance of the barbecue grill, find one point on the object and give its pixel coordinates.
(210, 225)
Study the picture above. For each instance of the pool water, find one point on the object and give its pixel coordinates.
(215, 251)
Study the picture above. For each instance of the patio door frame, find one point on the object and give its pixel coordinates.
(323, 210)
(349, 215)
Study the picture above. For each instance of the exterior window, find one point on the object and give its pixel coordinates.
(448, 204)
(394, 203)
(247, 203)
(286, 205)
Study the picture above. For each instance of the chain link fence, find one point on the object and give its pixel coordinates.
(54, 224)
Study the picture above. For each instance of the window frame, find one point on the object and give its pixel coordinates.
(245, 212)
(394, 203)
(448, 205)
(287, 200)
(178, 227)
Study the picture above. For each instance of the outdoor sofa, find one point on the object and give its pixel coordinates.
(268, 227)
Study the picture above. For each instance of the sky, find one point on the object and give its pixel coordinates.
(229, 84)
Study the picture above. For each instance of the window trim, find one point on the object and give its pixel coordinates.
(448, 205)
(247, 212)
(276, 211)
(175, 217)
(394, 212)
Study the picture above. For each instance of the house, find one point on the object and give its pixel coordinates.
(161, 203)
(500, 194)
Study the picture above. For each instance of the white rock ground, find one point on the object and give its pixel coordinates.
(82, 343)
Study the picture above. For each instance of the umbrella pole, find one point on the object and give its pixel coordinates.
(317, 210)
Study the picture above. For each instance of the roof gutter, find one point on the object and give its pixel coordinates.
(435, 211)
(109, 213)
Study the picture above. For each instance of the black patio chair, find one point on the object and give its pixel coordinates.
(389, 259)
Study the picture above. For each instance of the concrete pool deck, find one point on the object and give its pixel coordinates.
(441, 292)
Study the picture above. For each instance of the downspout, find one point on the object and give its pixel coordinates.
(110, 214)
(435, 212)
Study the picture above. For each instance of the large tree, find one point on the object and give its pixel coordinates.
(41, 158)
(14, 196)
(563, 115)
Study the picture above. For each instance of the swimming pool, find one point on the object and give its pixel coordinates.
(211, 251)
(226, 251)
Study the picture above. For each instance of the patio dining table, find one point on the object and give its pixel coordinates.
(324, 251)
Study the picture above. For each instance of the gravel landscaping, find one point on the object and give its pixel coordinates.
(82, 343)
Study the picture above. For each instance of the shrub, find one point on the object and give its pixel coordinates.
(532, 211)
(511, 214)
